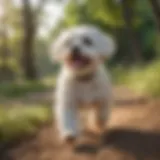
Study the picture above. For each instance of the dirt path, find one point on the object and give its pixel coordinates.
(133, 134)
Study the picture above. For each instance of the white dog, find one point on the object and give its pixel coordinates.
(83, 80)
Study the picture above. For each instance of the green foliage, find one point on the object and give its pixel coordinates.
(107, 11)
(157, 46)
(20, 121)
(144, 80)
(12, 28)
(119, 75)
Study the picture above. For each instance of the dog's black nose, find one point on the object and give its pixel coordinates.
(76, 52)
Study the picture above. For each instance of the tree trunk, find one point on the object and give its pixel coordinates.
(156, 9)
(28, 57)
(128, 18)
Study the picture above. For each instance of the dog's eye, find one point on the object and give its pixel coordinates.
(87, 41)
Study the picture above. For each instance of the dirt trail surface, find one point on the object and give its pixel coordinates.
(133, 134)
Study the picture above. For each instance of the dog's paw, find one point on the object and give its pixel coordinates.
(68, 140)
(87, 143)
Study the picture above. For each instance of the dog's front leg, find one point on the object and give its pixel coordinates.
(67, 118)
(98, 117)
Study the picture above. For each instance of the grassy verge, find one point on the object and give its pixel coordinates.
(144, 80)
(20, 121)
(13, 90)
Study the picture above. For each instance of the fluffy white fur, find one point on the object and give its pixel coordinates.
(72, 93)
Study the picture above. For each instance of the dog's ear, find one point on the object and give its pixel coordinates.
(108, 45)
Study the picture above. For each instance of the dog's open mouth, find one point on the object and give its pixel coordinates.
(79, 61)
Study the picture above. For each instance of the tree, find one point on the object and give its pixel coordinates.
(31, 19)
(128, 16)
(156, 9)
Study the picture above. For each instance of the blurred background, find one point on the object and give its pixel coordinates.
(27, 75)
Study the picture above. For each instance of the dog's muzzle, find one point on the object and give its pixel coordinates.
(75, 52)
(77, 59)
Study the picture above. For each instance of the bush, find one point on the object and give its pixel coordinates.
(19, 121)
(12, 90)
(144, 80)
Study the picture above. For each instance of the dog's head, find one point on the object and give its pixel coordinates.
(82, 48)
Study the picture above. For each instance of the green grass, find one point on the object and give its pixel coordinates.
(144, 80)
(13, 90)
(20, 121)
(119, 75)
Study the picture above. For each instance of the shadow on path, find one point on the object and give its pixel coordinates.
(142, 145)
